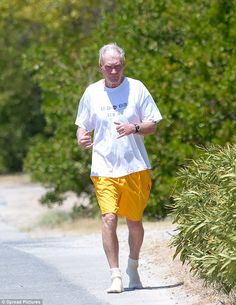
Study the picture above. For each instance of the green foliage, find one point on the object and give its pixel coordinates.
(58, 67)
(205, 213)
(183, 51)
(20, 97)
(56, 165)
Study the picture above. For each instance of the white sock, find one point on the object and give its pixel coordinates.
(132, 271)
(116, 281)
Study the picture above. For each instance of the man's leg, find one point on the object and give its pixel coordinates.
(136, 234)
(111, 248)
(109, 239)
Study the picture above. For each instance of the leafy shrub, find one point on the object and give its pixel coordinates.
(205, 213)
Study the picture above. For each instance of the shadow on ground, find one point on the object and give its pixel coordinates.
(156, 287)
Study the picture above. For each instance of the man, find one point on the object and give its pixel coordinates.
(120, 111)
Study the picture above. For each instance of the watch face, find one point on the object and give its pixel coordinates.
(137, 127)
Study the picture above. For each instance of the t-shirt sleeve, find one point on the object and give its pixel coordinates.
(84, 117)
(149, 110)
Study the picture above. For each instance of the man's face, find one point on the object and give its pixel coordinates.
(112, 69)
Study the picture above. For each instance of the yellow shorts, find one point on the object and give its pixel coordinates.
(125, 196)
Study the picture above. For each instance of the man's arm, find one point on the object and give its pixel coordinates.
(84, 138)
(145, 128)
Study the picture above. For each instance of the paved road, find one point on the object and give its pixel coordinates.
(69, 270)
(26, 276)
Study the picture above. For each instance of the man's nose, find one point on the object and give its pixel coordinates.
(113, 70)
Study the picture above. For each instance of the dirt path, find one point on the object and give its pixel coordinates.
(20, 207)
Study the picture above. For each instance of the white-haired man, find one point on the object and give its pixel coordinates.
(119, 111)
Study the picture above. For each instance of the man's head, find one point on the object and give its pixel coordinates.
(111, 62)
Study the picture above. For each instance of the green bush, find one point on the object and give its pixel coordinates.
(205, 213)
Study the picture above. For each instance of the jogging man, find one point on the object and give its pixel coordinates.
(119, 111)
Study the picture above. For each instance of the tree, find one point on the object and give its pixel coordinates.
(20, 97)
(183, 52)
(61, 68)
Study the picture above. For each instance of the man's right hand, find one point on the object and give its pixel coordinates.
(85, 139)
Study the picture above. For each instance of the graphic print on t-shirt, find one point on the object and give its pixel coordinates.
(113, 110)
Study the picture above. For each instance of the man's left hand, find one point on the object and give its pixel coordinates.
(124, 129)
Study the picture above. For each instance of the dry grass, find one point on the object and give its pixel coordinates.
(65, 228)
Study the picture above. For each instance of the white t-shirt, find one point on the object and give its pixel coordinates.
(99, 108)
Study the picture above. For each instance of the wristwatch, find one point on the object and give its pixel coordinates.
(137, 128)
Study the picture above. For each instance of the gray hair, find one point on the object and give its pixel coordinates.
(111, 47)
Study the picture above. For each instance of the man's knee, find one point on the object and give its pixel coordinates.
(135, 225)
(109, 221)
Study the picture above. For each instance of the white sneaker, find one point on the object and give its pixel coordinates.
(116, 281)
(132, 271)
